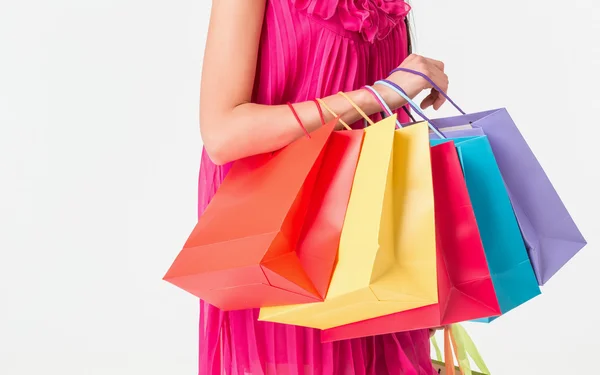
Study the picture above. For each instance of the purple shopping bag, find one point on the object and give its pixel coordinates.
(549, 232)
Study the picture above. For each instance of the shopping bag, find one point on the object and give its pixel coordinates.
(465, 289)
(457, 342)
(386, 258)
(249, 249)
(322, 228)
(512, 274)
(509, 265)
(551, 236)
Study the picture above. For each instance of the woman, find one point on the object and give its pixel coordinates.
(261, 54)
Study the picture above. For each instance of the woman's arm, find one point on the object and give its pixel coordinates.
(231, 126)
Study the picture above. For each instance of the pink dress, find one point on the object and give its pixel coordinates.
(309, 49)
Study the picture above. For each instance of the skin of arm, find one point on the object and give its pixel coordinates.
(231, 126)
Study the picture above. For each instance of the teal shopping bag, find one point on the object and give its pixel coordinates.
(510, 268)
(511, 271)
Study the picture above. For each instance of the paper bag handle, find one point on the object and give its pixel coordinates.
(321, 116)
(387, 111)
(362, 113)
(448, 353)
(466, 348)
(298, 119)
(414, 106)
(328, 109)
(382, 103)
(436, 87)
(320, 111)
(455, 350)
(366, 118)
(451, 350)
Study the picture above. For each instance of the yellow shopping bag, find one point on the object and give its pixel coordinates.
(387, 253)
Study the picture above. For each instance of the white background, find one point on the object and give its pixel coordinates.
(99, 153)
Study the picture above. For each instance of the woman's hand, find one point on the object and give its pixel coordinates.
(233, 127)
(413, 84)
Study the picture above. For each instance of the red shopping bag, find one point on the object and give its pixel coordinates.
(465, 289)
(250, 248)
(320, 237)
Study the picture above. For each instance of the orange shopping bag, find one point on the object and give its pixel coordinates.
(251, 248)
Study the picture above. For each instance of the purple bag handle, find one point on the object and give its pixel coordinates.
(386, 111)
(414, 106)
(436, 87)
(384, 106)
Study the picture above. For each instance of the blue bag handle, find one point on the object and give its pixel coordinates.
(386, 109)
(436, 87)
(414, 106)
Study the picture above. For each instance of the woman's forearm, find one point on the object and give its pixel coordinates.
(250, 129)
(232, 127)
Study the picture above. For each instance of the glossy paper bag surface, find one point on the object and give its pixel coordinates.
(242, 253)
(510, 268)
(465, 287)
(386, 259)
(550, 234)
(320, 238)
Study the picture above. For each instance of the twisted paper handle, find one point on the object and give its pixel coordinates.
(365, 117)
(322, 103)
(362, 113)
(298, 119)
(457, 342)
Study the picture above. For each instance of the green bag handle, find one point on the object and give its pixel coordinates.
(466, 342)
(436, 347)
(465, 348)
(461, 353)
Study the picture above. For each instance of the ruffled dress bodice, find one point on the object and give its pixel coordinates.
(311, 49)
(372, 19)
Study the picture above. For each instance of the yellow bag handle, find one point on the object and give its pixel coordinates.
(362, 113)
(322, 103)
(353, 104)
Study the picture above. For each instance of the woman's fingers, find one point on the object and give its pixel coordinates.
(429, 100)
(439, 101)
(414, 84)
(434, 99)
(441, 80)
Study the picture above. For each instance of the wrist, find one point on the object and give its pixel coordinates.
(391, 98)
(367, 102)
